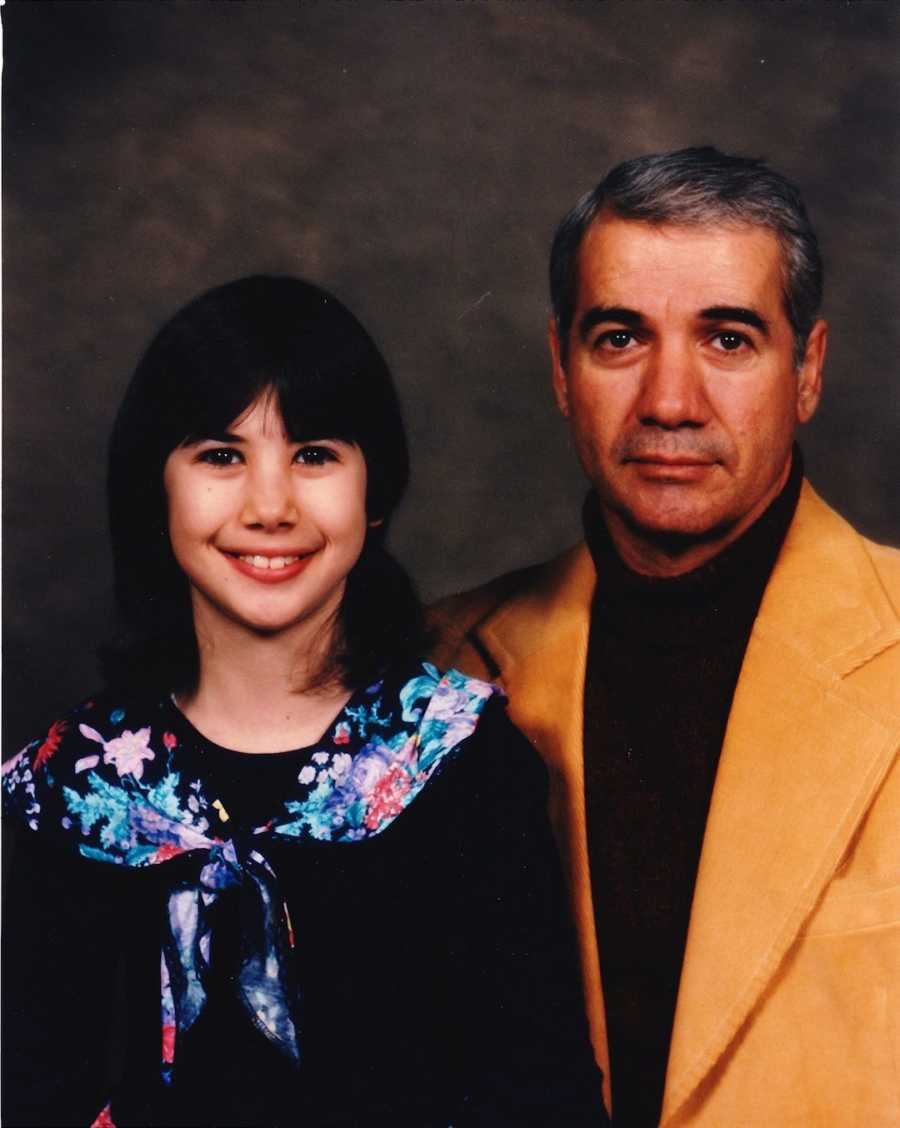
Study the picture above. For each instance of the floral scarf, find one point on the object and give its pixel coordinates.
(119, 795)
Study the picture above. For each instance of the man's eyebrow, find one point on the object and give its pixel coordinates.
(740, 314)
(598, 315)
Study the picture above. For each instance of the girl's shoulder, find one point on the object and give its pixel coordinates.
(383, 750)
(106, 712)
(446, 705)
(464, 720)
(113, 736)
(439, 710)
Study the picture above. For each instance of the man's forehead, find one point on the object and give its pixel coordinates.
(619, 257)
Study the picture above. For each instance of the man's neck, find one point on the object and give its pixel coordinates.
(662, 556)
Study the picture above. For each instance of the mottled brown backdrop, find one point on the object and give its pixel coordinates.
(413, 155)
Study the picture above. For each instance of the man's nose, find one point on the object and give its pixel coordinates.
(269, 499)
(673, 388)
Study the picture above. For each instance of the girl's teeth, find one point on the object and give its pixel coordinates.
(266, 562)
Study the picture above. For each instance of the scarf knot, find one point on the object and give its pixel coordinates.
(264, 984)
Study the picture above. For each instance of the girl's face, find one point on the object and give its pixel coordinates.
(266, 529)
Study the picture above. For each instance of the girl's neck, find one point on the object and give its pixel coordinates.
(263, 694)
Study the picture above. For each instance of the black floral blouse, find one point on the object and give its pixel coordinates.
(369, 931)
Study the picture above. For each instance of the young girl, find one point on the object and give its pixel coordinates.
(280, 872)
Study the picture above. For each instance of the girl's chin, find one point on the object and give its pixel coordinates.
(263, 623)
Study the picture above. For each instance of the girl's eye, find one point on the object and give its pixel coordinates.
(220, 456)
(315, 455)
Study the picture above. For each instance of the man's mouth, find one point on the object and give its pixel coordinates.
(671, 459)
(672, 468)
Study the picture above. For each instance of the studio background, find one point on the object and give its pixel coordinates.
(414, 156)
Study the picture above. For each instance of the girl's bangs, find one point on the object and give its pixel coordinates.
(318, 406)
(311, 405)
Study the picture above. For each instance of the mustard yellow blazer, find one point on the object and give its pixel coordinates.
(789, 1004)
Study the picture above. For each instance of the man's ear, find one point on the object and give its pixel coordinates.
(560, 384)
(809, 376)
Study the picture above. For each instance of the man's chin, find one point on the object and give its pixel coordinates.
(674, 534)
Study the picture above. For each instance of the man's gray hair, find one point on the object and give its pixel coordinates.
(696, 187)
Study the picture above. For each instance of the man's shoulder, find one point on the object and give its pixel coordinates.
(886, 562)
(836, 536)
(833, 599)
(530, 591)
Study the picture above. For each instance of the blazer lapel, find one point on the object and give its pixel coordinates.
(540, 646)
(803, 756)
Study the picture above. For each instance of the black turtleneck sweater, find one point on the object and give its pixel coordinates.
(663, 661)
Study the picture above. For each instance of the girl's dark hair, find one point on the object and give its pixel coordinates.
(203, 369)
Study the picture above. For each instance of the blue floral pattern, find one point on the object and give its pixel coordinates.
(121, 796)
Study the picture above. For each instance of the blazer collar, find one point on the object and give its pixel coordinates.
(804, 753)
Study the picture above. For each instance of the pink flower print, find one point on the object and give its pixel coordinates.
(170, 740)
(369, 766)
(13, 762)
(408, 754)
(168, 1043)
(342, 733)
(127, 751)
(388, 797)
(103, 1118)
(340, 766)
(458, 729)
(50, 745)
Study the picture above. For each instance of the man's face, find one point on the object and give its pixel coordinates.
(681, 385)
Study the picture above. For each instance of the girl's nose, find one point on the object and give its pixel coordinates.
(269, 501)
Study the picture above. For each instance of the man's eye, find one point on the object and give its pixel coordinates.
(220, 456)
(730, 342)
(616, 339)
(315, 455)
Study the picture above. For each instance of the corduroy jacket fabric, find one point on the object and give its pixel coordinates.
(789, 1001)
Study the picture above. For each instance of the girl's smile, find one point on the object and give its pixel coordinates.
(269, 568)
(266, 529)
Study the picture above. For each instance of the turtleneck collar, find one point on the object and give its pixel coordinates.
(720, 598)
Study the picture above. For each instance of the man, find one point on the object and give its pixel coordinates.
(713, 678)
